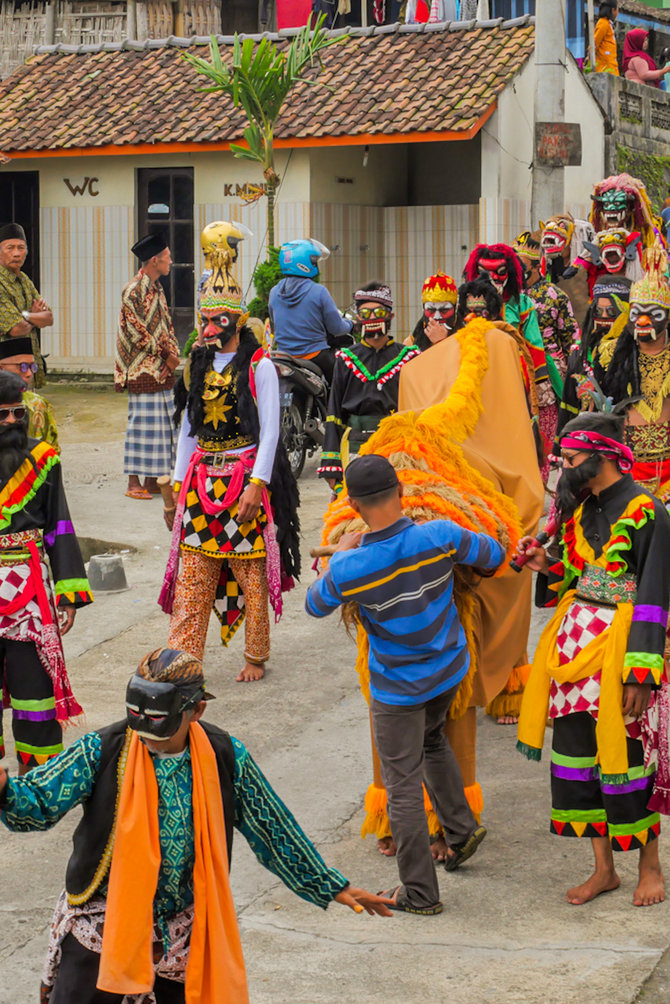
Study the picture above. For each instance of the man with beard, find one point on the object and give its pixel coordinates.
(238, 550)
(605, 320)
(637, 375)
(35, 525)
(365, 382)
(598, 667)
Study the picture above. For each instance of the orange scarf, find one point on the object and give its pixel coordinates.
(215, 972)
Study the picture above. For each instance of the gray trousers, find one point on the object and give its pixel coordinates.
(413, 749)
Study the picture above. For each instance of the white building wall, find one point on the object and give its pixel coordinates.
(508, 146)
(86, 235)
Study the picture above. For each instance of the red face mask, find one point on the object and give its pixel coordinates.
(496, 270)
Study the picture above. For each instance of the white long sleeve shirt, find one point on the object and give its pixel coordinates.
(267, 387)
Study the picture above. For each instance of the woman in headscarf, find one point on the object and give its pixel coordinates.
(638, 65)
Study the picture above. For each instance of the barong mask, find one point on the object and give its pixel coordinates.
(479, 298)
(621, 201)
(439, 296)
(556, 236)
(527, 248)
(615, 206)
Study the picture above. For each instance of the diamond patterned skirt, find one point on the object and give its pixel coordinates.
(220, 534)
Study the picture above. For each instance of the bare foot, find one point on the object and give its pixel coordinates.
(252, 671)
(387, 847)
(599, 882)
(508, 720)
(651, 887)
(439, 849)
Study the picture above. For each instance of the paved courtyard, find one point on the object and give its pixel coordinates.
(506, 934)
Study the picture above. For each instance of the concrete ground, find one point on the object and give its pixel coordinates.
(506, 933)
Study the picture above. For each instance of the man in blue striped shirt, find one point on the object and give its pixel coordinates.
(401, 576)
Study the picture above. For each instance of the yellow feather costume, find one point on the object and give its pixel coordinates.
(440, 482)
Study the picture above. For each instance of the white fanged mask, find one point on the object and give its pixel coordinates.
(649, 321)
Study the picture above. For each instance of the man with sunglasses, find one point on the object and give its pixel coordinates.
(17, 356)
(365, 381)
(35, 525)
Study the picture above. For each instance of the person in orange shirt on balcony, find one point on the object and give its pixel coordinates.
(605, 42)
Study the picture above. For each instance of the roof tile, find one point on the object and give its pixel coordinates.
(378, 83)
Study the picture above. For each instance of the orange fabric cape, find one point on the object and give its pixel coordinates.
(501, 448)
(215, 972)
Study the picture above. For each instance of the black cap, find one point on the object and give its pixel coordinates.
(147, 247)
(16, 347)
(370, 475)
(12, 232)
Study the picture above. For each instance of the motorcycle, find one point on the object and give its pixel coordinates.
(303, 400)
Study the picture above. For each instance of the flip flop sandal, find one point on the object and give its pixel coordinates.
(138, 493)
(464, 851)
(402, 906)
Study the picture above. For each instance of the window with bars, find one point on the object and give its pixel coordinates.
(165, 205)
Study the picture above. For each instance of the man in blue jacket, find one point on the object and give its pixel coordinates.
(401, 576)
(303, 314)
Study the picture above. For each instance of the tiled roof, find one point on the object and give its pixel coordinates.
(388, 81)
(639, 9)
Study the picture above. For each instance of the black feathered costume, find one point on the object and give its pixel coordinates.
(222, 432)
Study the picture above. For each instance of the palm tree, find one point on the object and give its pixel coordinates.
(259, 80)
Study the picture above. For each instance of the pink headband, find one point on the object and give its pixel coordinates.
(594, 442)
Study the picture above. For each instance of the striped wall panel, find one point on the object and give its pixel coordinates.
(85, 263)
(86, 259)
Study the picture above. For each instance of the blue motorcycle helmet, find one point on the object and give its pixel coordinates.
(302, 258)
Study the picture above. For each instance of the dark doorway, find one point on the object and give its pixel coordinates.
(165, 203)
(20, 203)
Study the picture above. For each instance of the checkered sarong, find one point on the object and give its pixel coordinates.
(150, 435)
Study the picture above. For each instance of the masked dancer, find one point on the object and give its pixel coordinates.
(638, 375)
(598, 668)
(605, 320)
(365, 381)
(147, 912)
(439, 297)
(235, 493)
(35, 525)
